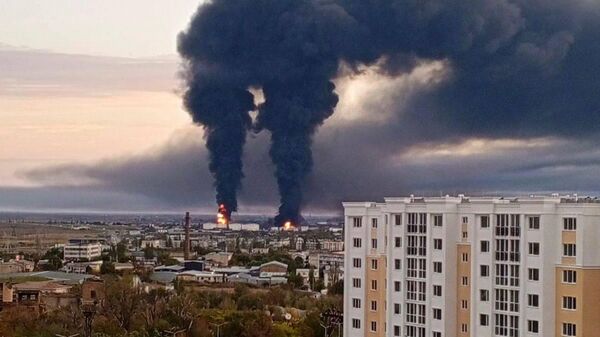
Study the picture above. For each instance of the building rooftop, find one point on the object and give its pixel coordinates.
(461, 198)
(44, 286)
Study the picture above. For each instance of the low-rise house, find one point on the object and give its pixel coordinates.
(305, 273)
(82, 267)
(273, 269)
(258, 251)
(39, 295)
(16, 266)
(256, 280)
(172, 269)
(93, 291)
(151, 243)
(126, 266)
(219, 258)
(201, 276)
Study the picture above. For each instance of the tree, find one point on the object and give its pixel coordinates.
(154, 307)
(54, 263)
(163, 258)
(182, 309)
(121, 252)
(311, 277)
(297, 281)
(250, 301)
(319, 285)
(107, 267)
(284, 330)
(337, 288)
(122, 301)
(149, 253)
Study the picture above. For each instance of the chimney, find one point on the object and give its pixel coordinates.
(186, 243)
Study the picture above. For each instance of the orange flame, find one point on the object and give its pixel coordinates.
(288, 226)
(221, 215)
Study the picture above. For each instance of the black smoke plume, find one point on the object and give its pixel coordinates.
(521, 68)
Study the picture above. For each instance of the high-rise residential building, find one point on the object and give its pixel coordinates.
(472, 267)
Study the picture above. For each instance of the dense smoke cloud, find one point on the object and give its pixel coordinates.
(515, 69)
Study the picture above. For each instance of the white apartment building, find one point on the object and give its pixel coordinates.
(472, 267)
(82, 249)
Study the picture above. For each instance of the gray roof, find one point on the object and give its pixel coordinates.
(163, 277)
(52, 275)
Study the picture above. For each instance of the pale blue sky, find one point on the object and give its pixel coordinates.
(131, 28)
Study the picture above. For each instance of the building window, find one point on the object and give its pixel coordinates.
(374, 243)
(484, 270)
(356, 262)
(356, 222)
(533, 274)
(373, 305)
(397, 264)
(484, 246)
(465, 257)
(569, 250)
(356, 303)
(356, 282)
(437, 220)
(533, 300)
(437, 334)
(533, 326)
(396, 330)
(373, 326)
(569, 329)
(465, 235)
(398, 219)
(397, 308)
(437, 313)
(465, 281)
(570, 224)
(534, 223)
(397, 286)
(356, 323)
(465, 219)
(357, 242)
(437, 267)
(484, 221)
(398, 242)
(484, 295)
(569, 303)
(374, 264)
(569, 276)
(464, 304)
(464, 328)
(373, 284)
(374, 222)
(534, 248)
(437, 244)
(437, 290)
(484, 320)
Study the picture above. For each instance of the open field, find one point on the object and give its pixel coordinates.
(30, 237)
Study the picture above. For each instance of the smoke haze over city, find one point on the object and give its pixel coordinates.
(467, 96)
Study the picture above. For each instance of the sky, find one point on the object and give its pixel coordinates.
(91, 114)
